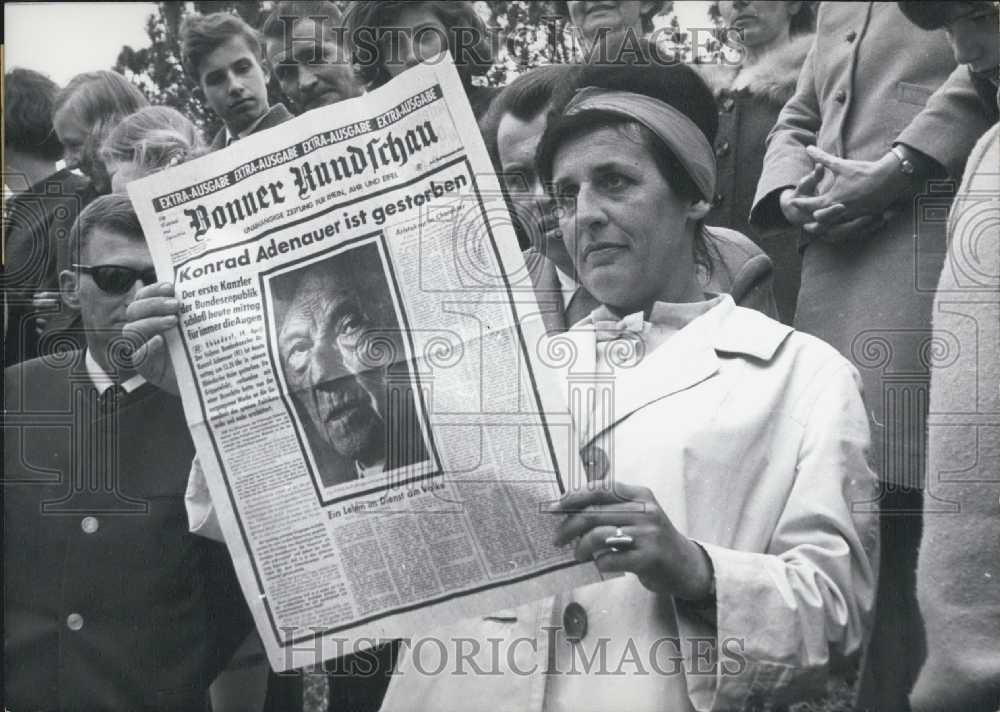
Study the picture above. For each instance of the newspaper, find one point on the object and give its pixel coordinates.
(359, 362)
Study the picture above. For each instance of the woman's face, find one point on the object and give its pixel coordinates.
(72, 135)
(761, 21)
(122, 173)
(423, 36)
(630, 235)
(618, 16)
(80, 148)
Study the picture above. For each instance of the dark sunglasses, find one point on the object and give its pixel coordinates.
(115, 279)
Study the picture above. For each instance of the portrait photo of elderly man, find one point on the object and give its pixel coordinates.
(341, 351)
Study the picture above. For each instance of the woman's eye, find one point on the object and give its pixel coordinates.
(614, 181)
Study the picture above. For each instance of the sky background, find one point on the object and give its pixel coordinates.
(64, 39)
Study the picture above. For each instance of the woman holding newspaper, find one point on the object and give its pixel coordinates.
(728, 480)
(729, 484)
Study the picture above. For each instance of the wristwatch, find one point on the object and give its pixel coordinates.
(905, 164)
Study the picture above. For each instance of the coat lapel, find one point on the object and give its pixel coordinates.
(688, 358)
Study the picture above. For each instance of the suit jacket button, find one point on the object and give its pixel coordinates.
(722, 149)
(728, 104)
(575, 621)
(74, 621)
(840, 97)
(90, 525)
(851, 36)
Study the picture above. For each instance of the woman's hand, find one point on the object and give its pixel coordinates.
(665, 560)
(153, 312)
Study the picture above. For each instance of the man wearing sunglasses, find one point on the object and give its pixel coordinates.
(109, 601)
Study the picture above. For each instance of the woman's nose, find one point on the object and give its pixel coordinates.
(589, 208)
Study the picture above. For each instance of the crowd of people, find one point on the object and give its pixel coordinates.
(804, 426)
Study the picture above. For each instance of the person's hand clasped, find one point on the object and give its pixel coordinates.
(790, 198)
(153, 312)
(625, 530)
(853, 197)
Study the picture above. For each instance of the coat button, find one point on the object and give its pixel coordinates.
(595, 462)
(728, 104)
(851, 36)
(90, 525)
(840, 97)
(722, 149)
(718, 200)
(575, 621)
(74, 621)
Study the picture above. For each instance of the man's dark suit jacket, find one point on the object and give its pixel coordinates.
(277, 114)
(109, 602)
(37, 228)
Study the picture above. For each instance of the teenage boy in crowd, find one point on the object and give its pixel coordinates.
(222, 53)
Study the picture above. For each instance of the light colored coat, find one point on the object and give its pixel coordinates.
(753, 439)
(958, 576)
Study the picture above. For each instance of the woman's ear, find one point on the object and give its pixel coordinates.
(69, 284)
(699, 209)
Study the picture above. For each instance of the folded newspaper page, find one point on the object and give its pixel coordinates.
(361, 366)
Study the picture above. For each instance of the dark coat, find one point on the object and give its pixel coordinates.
(749, 100)
(109, 602)
(277, 114)
(37, 228)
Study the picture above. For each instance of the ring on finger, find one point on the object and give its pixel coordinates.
(620, 541)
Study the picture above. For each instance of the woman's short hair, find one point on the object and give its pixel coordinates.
(28, 103)
(153, 138)
(203, 34)
(678, 85)
(675, 84)
(473, 53)
(99, 100)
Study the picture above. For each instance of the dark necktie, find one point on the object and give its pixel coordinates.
(580, 305)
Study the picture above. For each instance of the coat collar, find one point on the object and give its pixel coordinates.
(277, 114)
(691, 356)
(773, 77)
